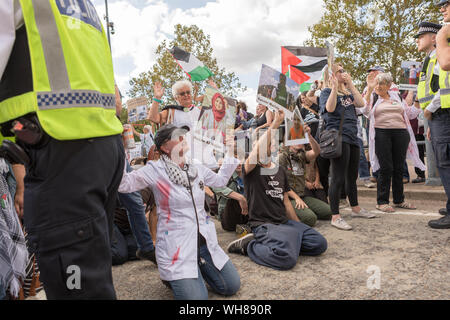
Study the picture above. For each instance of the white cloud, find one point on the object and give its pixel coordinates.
(244, 33)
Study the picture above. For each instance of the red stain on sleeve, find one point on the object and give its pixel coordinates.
(175, 257)
(164, 188)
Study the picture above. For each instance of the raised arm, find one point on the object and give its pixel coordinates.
(332, 98)
(154, 115)
(358, 98)
(312, 154)
(263, 141)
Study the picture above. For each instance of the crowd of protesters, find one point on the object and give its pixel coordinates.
(271, 195)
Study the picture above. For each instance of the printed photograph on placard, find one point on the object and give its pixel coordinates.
(295, 131)
(137, 109)
(410, 75)
(217, 116)
(141, 112)
(276, 90)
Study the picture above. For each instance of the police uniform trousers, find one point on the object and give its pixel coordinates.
(70, 195)
(440, 139)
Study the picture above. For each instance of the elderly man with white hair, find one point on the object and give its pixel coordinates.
(185, 114)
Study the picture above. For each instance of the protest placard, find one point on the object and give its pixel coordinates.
(276, 91)
(217, 117)
(410, 75)
(137, 109)
(295, 133)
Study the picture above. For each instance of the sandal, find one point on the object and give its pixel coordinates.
(405, 205)
(385, 208)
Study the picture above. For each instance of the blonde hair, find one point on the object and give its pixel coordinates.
(341, 88)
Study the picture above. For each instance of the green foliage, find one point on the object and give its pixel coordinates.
(366, 32)
(124, 116)
(167, 71)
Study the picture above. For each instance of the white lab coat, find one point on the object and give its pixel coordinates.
(176, 240)
(11, 19)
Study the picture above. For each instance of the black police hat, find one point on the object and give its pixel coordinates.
(428, 27)
(167, 132)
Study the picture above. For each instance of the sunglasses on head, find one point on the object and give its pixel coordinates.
(185, 93)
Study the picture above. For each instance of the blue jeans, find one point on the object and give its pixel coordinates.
(136, 216)
(279, 246)
(440, 138)
(225, 282)
(248, 124)
(364, 172)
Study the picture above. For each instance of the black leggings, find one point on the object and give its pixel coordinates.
(344, 172)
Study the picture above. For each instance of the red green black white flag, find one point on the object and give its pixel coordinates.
(193, 67)
(304, 65)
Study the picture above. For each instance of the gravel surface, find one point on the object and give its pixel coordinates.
(413, 261)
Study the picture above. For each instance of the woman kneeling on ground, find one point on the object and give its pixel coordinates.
(187, 250)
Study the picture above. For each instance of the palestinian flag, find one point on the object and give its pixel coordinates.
(304, 65)
(191, 65)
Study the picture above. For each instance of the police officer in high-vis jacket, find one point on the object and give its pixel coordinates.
(429, 77)
(438, 114)
(57, 97)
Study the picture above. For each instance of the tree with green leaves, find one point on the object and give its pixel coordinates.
(166, 70)
(372, 32)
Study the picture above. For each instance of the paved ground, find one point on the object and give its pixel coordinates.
(413, 260)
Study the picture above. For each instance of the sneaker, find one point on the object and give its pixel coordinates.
(240, 245)
(146, 255)
(343, 204)
(243, 230)
(363, 213)
(370, 184)
(341, 224)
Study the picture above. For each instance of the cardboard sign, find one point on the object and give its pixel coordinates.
(410, 75)
(276, 91)
(137, 109)
(295, 130)
(217, 117)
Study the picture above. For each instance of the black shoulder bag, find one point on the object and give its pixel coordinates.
(331, 141)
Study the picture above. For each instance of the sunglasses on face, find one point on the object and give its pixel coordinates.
(182, 94)
(445, 5)
(341, 71)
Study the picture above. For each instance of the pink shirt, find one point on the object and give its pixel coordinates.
(389, 115)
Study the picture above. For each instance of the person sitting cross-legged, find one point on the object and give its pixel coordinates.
(293, 160)
(278, 237)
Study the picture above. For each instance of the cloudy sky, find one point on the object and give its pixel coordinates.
(244, 33)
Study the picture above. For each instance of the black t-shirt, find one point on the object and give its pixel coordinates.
(345, 104)
(265, 194)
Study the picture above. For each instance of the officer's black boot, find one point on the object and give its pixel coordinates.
(443, 211)
(442, 223)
